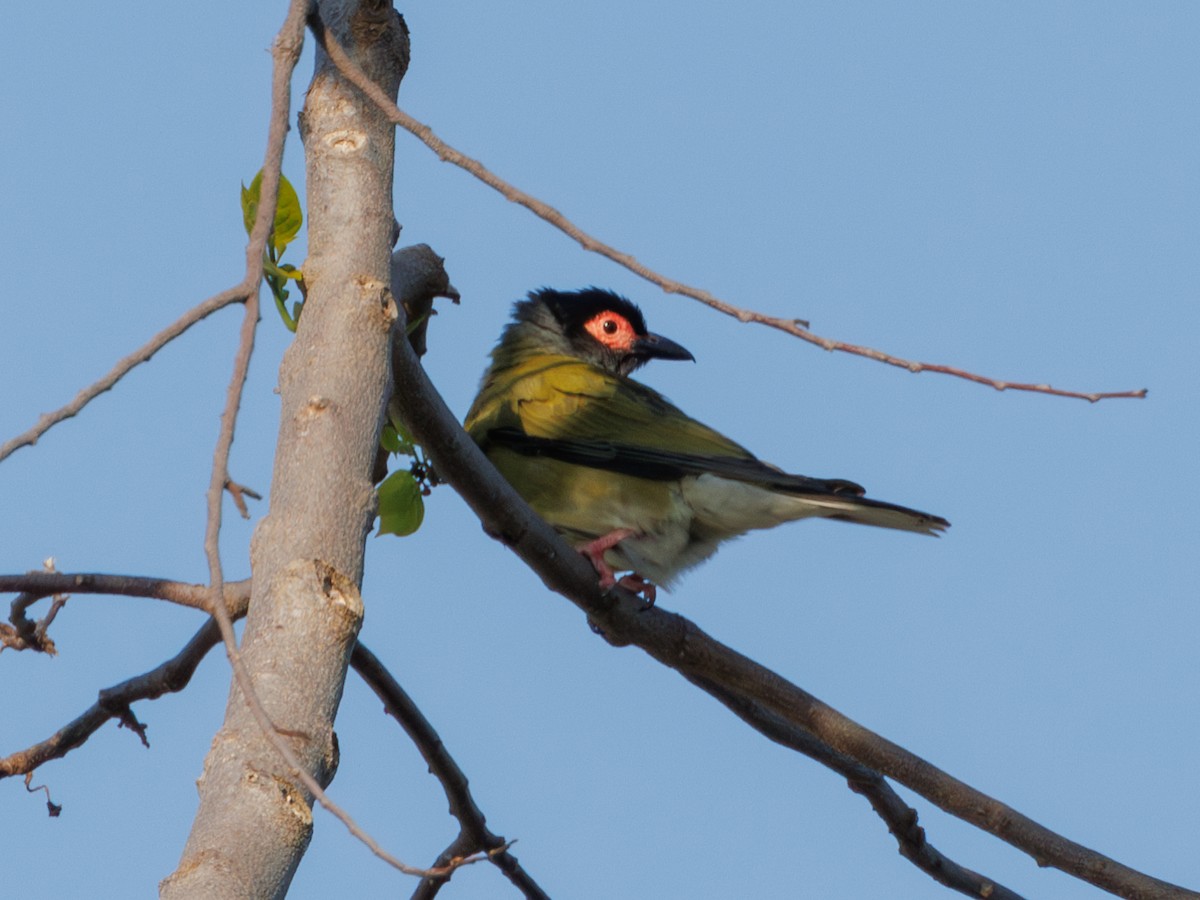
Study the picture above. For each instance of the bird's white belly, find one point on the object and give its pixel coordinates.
(735, 507)
(706, 511)
(660, 544)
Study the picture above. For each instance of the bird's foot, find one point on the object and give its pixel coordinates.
(636, 584)
(595, 550)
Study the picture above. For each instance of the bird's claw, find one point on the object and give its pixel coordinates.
(636, 584)
(594, 552)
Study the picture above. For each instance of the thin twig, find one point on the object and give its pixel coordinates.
(52, 808)
(168, 677)
(474, 835)
(236, 294)
(33, 586)
(239, 493)
(115, 702)
(795, 327)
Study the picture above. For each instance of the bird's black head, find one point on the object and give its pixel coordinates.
(595, 325)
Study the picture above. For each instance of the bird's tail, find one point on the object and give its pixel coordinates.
(864, 511)
(732, 506)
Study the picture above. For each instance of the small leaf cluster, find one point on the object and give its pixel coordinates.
(288, 219)
(402, 493)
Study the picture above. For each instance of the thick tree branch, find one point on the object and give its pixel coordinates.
(307, 554)
(286, 50)
(795, 327)
(24, 634)
(678, 643)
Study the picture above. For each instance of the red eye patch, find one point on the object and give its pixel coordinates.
(612, 330)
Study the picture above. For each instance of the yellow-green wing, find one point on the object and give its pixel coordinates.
(562, 397)
(561, 409)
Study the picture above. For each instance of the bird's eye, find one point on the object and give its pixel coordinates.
(611, 330)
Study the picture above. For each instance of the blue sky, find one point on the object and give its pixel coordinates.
(1010, 188)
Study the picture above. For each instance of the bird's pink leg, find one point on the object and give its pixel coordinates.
(595, 550)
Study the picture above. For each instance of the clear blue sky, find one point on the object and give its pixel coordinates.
(1011, 188)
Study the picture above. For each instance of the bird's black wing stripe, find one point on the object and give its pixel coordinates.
(663, 465)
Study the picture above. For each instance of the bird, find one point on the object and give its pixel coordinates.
(630, 480)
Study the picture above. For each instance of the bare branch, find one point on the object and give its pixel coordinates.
(52, 808)
(795, 327)
(239, 493)
(236, 294)
(286, 51)
(474, 836)
(114, 702)
(42, 584)
(676, 642)
(26, 635)
(174, 675)
(901, 819)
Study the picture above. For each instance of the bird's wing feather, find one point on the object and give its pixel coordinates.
(563, 398)
(565, 409)
(666, 465)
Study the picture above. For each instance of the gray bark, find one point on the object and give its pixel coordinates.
(255, 819)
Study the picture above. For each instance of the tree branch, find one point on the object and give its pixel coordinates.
(114, 702)
(22, 634)
(795, 327)
(900, 818)
(236, 294)
(175, 674)
(676, 642)
(307, 553)
(287, 47)
(474, 835)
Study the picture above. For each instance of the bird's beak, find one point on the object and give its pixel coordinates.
(655, 346)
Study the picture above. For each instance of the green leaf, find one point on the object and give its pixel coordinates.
(401, 507)
(393, 420)
(269, 268)
(395, 439)
(389, 440)
(288, 215)
(250, 197)
(288, 321)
